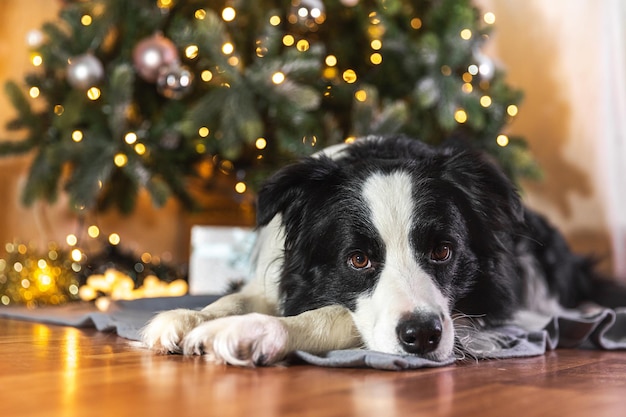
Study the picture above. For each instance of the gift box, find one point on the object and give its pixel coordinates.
(220, 258)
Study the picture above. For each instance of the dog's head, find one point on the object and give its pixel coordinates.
(404, 235)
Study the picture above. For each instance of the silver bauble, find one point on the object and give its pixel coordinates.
(153, 53)
(174, 81)
(84, 71)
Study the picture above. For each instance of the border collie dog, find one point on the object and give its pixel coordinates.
(391, 245)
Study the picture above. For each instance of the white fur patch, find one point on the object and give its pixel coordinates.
(166, 330)
(403, 286)
(239, 340)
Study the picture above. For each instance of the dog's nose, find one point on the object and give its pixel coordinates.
(419, 333)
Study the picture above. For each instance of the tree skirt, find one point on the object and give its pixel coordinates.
(599, 329)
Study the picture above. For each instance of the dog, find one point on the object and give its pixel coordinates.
(392, 245)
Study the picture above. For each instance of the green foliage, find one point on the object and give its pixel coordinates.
(419, 87)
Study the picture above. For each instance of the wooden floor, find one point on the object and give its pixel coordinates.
(62, 371)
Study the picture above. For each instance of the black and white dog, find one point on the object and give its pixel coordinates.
(391, 245)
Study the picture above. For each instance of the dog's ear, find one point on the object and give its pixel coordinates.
(492, 197)
(288, 190)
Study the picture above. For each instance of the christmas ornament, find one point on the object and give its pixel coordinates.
(84, 71)
(152, 54)
(174, 81)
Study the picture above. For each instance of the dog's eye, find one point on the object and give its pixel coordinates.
(359, 260)
(441, 253)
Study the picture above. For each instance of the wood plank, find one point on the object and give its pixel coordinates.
(52, 370)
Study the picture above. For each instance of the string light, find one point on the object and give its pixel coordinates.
(120, 160)
(376, 58)
(93, 231)
(446, 70)
(302, 45)
(240, 187)
(466, 34)
(200, 14)
(71, 239)
(229, 14)
(350, 139)
(77, 136)
(206, 76)
(416, 23)
(36, 60)
(360, 95)
(228, 48)
(34, 92)
(467, 88)
(278, 78)
(76, 255)
(489, 18)
(165, 4)
(59, 110)
(349, 76)
(512, 110)
(288, 40)
(460, 116)
(140, 149)
(191, 51)
(376, 44)
(473, 69)
(130, 138)
(275, 20)
(261, 143)
(93, 93)
(502, 140)
(485, 101)
(331, 60)
(86, 20)
(114, 239)
(203, 132)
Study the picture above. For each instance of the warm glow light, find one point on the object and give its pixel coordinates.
(71, 239)
(416, 23)
(489, 18)
(278, 78)
(467, 77)
(376, 44)
(360, 95)
(191, 51)
(467, 88)
(200, 14)
(34, 92)
(120, 160)
(114, 239)
(140, 149)
(446, 70)
(77, 136)
(204, 132)
(86, 20)
(376, 58)
(93, 231)
(485, 101)
(59, 110)
(164, 4)
(502, 140)
(460, 116)
(240, 187)
(261, 143)
(288, 40)
(37, 60)
(350, 139)
(275, 20)
(228, 14)
(331, 60)
(349, 76)
(93, 93)
(200, 148)
(233, 61)
(228, 48)
(472, 69)
(466, 34)
(206, 76)
(130, 138)
(512, 110)
(302, 45)
(77, 255)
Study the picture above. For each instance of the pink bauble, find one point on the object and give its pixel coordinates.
(152, 54)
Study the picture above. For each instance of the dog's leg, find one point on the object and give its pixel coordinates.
(259, 339)
(166, 330)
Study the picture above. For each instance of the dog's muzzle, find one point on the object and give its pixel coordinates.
(419, 333)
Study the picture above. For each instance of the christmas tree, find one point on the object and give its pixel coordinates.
(162, 94)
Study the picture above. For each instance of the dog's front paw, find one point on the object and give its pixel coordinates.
(166, 330)
(248, 340)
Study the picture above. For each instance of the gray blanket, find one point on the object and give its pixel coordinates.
(602, 329)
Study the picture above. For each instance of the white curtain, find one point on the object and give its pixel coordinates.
(614, 124)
